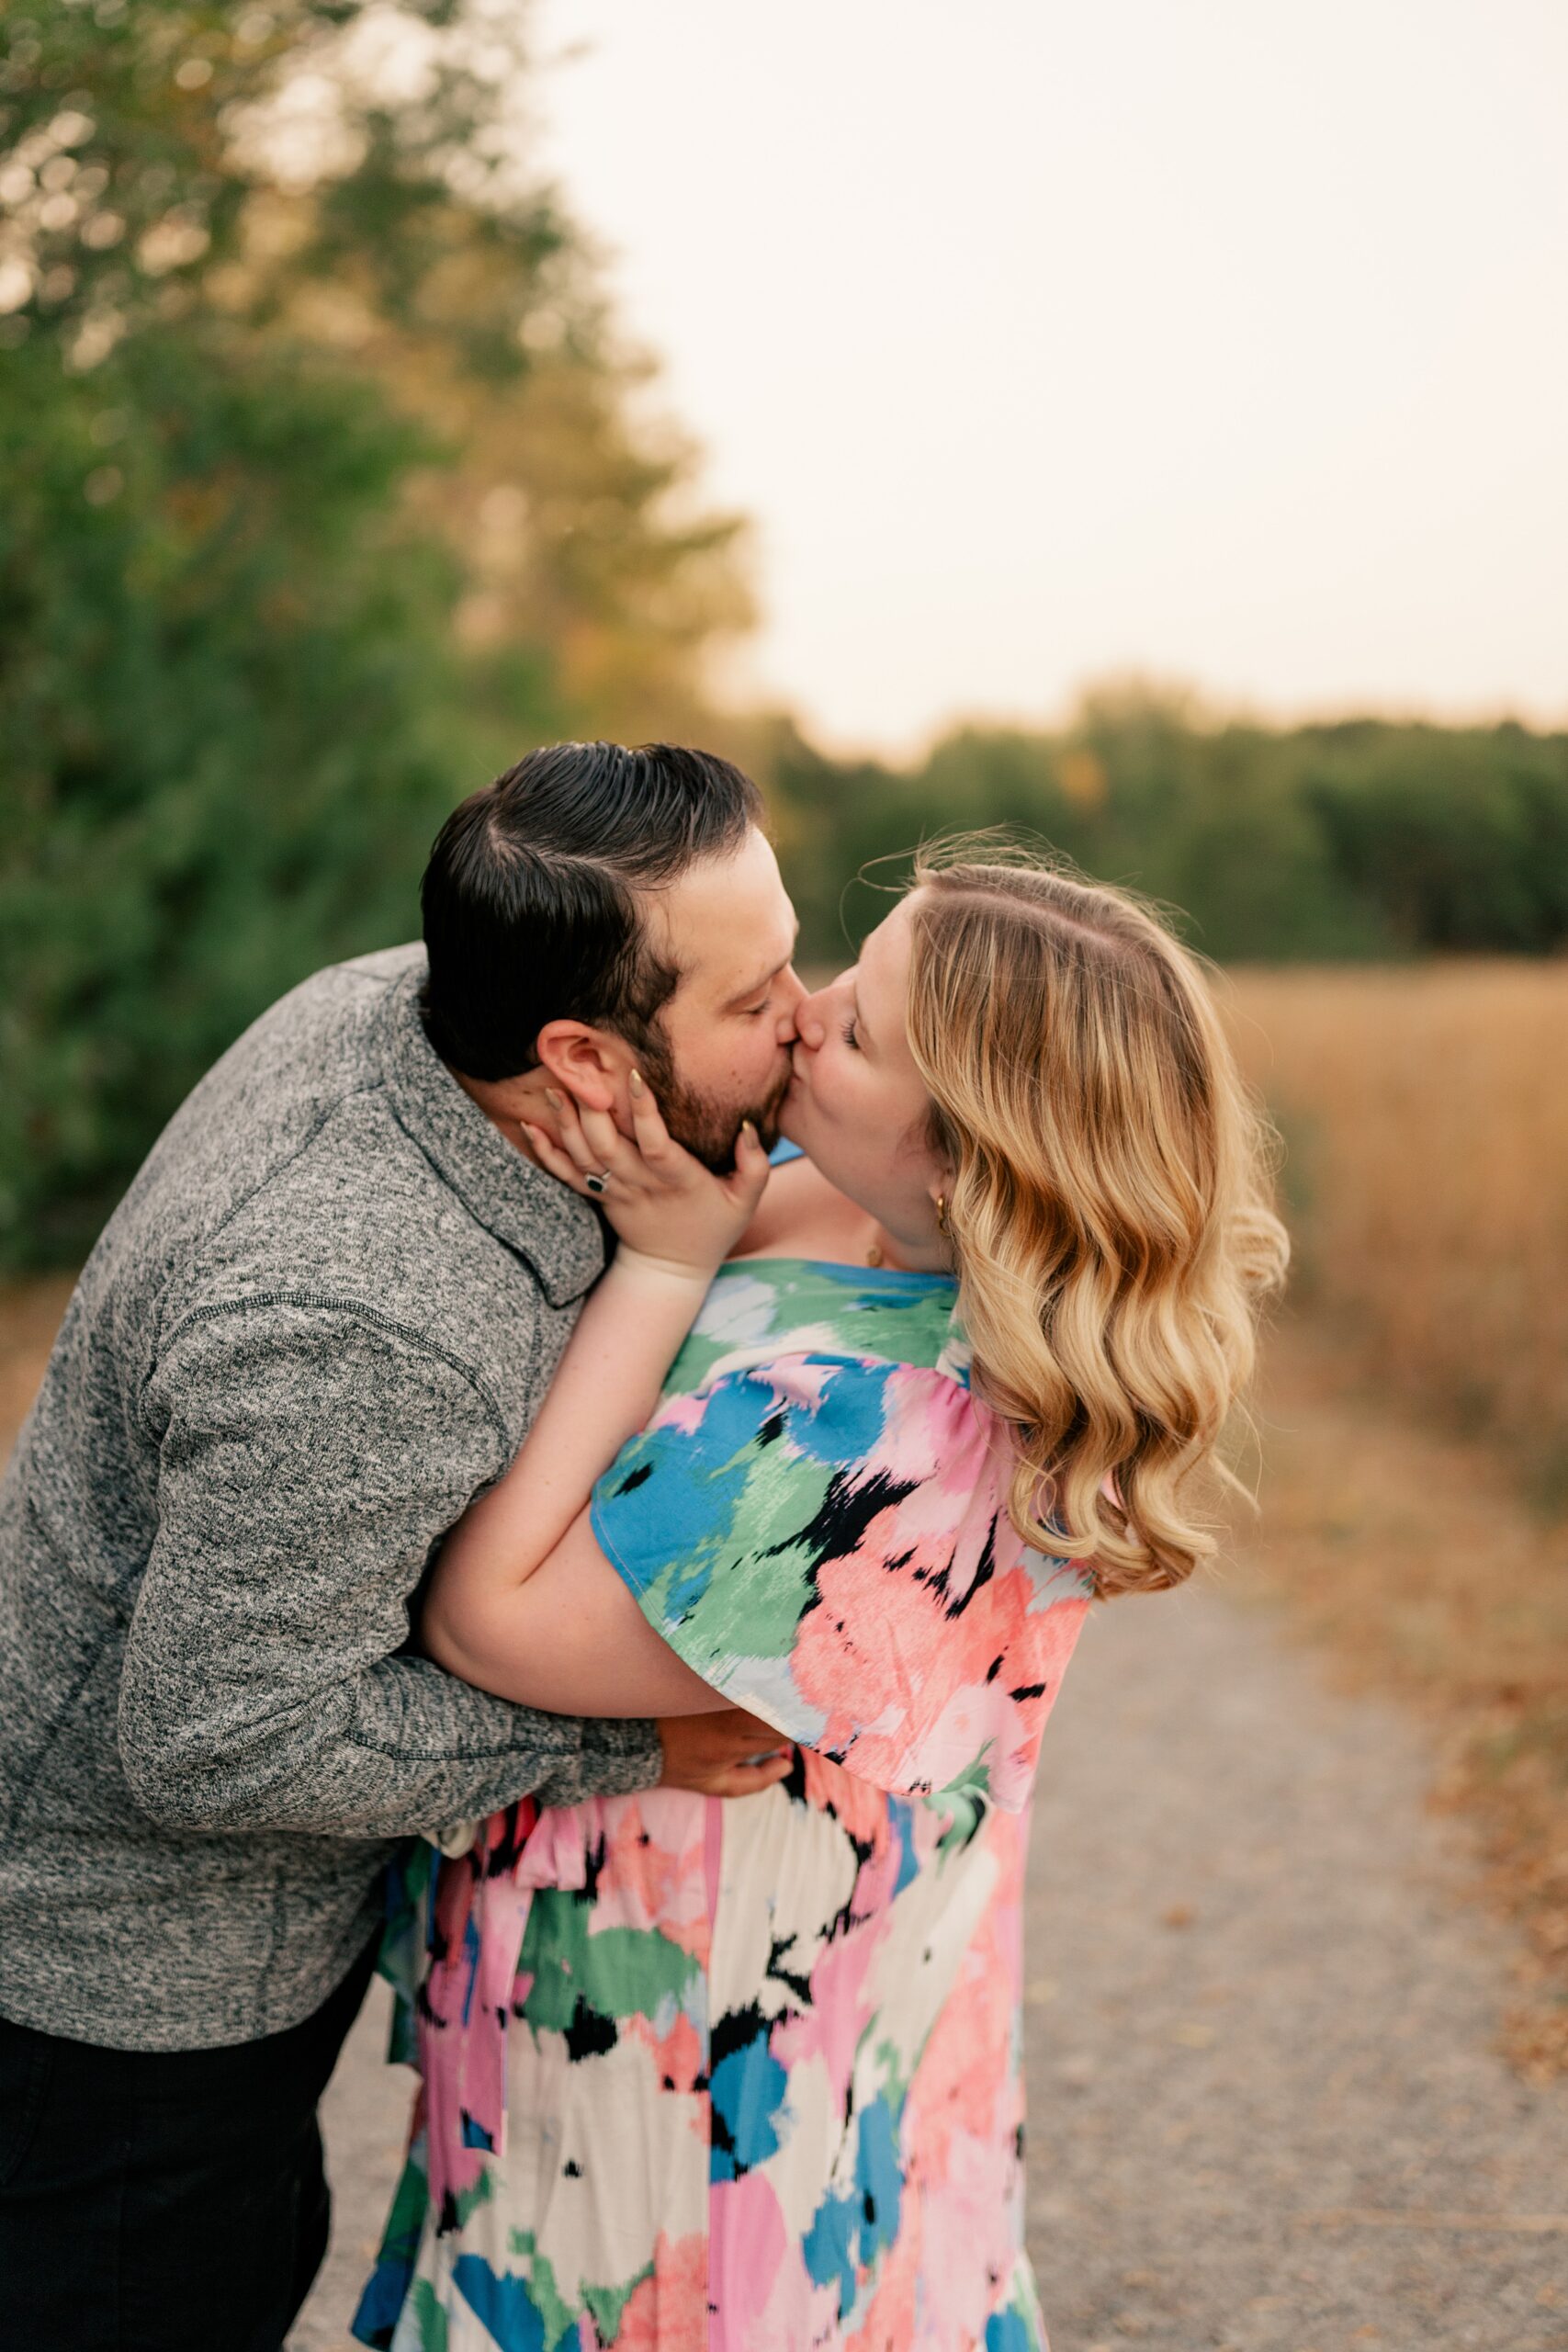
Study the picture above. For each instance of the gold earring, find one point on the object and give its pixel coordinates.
(941, 1212)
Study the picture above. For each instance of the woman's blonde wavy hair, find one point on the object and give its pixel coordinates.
(1110, 1209)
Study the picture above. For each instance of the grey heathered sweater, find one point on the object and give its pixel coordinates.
(323, 1317)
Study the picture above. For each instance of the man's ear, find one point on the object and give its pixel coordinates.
(591, 1065)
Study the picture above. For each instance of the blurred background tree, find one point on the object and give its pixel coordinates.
(1368, 841)
(325, 489)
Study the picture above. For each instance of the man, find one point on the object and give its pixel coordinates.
(319, 1322)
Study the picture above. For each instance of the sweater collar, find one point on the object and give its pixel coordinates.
(559, 1235)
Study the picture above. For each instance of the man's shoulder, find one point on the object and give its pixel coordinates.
(288, 1167)
(306, 1058)
(357, 1210)
(384, 967)
(311, 1047)
(329, 1166)
(347, 1211)
(327, 1010)
(353, 1248)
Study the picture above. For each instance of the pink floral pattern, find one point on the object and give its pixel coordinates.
(745, 2078)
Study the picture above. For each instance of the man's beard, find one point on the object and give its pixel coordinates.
(705, 1128)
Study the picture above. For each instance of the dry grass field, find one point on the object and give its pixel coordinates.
(1415, 1403)
(30, 1316)
(1425, 1113)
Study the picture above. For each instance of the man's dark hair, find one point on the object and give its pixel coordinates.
(530, 895)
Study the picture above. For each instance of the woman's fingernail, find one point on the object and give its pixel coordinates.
(637, 1082)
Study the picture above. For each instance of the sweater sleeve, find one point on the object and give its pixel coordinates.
(311, 1458)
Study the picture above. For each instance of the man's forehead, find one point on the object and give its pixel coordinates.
(725, 921)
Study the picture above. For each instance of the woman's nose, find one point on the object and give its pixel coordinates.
(811, 1020)
(793, 995)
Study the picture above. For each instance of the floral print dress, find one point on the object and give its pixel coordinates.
(744, 2078)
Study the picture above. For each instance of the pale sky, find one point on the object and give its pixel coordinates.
(1216, 339)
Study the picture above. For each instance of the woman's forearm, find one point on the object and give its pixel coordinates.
(605, 1389)
(675, 1221)
(570, 1639)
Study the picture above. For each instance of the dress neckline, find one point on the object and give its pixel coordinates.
(845, 1270)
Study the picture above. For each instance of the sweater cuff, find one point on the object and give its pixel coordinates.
(619, 1757)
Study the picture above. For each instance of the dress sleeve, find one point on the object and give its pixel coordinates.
(823, 1539)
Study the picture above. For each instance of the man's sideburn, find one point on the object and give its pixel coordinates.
(698, 1125)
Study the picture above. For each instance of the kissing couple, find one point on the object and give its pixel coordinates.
(483, 1508)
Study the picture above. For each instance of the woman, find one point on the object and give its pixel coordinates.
(747, 2076)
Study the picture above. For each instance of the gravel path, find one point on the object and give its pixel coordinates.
(1267, 2110)
(1268, 2114)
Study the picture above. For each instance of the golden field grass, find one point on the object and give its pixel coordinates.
(30, 1316)
(1415, 1400)
(1425, 1114)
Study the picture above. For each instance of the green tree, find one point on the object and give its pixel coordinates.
(223, 694)
(318, 499)
(1459, 836)
(1362, 840)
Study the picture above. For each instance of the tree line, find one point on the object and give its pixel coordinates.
(327, 487)
(1363, 839)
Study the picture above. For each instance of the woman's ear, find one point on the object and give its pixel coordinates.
(939, 1192)
(591, 1065)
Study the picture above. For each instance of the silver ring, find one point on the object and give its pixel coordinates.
(597, 1185)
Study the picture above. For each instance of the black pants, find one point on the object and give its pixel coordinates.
(154, 2202)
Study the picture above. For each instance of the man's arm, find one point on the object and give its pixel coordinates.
(311, 1458)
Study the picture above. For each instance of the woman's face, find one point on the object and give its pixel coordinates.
(857, 1104)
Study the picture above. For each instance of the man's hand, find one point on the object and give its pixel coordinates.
(712, 1754)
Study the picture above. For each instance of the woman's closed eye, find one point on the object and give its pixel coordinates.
(851, 1035)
